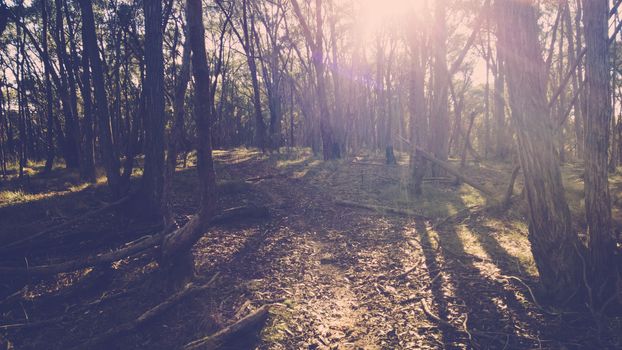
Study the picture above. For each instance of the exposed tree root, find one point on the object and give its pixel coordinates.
(217, 339)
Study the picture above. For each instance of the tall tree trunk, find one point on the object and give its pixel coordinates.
(72, 129)
(49, 106)
(109, 155)
(602, 240)
(553, 242)
(177, 132)
(88, 149)
(439, 120)
(330, 148)
(418, 122)
(176, 247)
(202, 111)
(249, 47)
(153, 177)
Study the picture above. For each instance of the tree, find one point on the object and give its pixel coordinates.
(153, 177)
(554, 244)
(108, 150)
(330, 148)
(602, 239)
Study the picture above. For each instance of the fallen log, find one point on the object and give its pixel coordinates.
(380, 209)
(217, 339)
(182, 239)
(174, 240)
(124, 328)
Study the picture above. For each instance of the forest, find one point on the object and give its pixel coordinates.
(310, 174)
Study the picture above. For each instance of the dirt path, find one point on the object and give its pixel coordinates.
(353, 279)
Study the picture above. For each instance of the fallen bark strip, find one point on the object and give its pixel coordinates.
(188, 290)
(217, 339)
(380, 209)
(67, 223)
(174, 238)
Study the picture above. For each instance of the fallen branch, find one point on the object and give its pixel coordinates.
(217, 339)
(188, 290)
(380, 209)
(141, 245)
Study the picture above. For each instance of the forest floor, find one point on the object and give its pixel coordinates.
(348, 258)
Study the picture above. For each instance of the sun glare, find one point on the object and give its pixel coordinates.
(376, 16)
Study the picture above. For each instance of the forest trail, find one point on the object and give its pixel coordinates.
(352, 278)
(339, 277)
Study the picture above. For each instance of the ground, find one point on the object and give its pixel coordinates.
(439, 271)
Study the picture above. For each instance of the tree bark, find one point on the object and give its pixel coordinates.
(111, 161)
(202, 112)
(49, 106)
(153, 177)
(554, 244)
(602, 239)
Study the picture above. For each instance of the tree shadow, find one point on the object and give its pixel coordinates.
(496, 318)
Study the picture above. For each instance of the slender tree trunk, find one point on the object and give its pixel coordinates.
(439, 120)
(177, 132)
(418, 123)
(249, 47)
(49, 106)
(202, 112)
(88, 150)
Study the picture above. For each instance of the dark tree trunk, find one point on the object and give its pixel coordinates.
(153, 177)
(49, 106)
(72, 129)
(554, 244)
(177, 132)
(88, 150)
(202, 111)
(111, 161)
